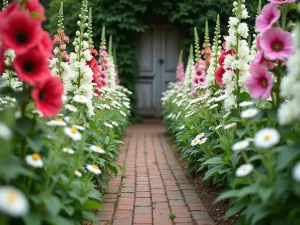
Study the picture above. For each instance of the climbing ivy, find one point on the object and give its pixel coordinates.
(125, 19)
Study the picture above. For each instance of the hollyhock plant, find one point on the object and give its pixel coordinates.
(47, 96)
(20, 36)
(219, 76)
(32, 67)
(259, 82)
(277, 44)
(45, 46)
(34, 6)
(270, 15)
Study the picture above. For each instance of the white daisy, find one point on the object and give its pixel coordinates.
(244, 170)
(94, 169)
(67, 119)
(13, 202)
(240, 145)
(34, 160)
(5, 132)
(108, 125)
(97, 149)
(246, 104)
(229, 126)
(68, 150)
(195, 142)
(199, 136)
(73, 133)
(213, 106)
(77, 173)
(266, 138)
(249, 113)
(57, 122)
(71, 108)
(114, 123)
(296, 172)
(202, 141)
(80, 99)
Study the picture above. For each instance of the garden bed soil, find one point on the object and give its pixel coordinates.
(207, 192)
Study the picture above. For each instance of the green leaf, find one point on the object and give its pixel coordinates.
(35, 143)
(33, 218)
(52, 204)
(23, 126)
(228, 194)
(113, 168)
(292, 6)
(92, 205)
(233, 210)
(90, 217)
(60, 220)
(215, 160)
(36, 15)
(286, 155)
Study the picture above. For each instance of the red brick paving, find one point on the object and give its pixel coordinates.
(152, 184)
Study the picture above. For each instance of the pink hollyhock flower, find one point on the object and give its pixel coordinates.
(45, 46)
(65, 55)
(277, 44)
(199, 80)
(56, 39)
(259, 59)
(32, 67)
(103, 75)
(33, 6)
(269, 16)
(199, 72)
(219, 76)
(259, 82)
(47, 96)
(8, 10)
(258, 39)
(20, 32)
(280, 2)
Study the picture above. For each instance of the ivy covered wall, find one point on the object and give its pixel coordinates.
(125, 19)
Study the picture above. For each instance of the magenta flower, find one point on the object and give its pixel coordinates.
(269, 16)
(280, 2)
(199, 80)
(259, 82)
(277, 44)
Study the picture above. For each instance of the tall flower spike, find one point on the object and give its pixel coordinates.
(197, 47)
(216, 49)
(111, 70)
(206, 44)
(5, 3)
(110, 45)
(61, 17)
(190, 70)
(206, 38)
(103, 39)
(90, 28)
(253, 50)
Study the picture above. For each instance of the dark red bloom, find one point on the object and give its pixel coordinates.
(32, 67)
(34, 6)
(20, 32)
(47, 96)
(219, 76)
(45, 45)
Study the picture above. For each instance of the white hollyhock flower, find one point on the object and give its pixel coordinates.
(296, 172)
(73, 133)
(13, 202)
(71, 108)
(34, 160)
(244, 170)
(195, 142)
(77, 173)
(243, 30)
(249, 113)
(5, 132)
(80, 99)
(266, 138)
(97, 149)
(288, 112)
(57, 122)
(94, 169)
(69, 150)
(240, 145)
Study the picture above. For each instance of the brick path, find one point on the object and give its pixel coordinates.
(152, 184)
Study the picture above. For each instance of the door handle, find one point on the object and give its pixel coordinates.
(161, 61)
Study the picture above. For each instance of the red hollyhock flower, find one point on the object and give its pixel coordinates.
(46, 46)
(94, 52)
(34, 6)
(47, 96)
(20, 32)
(2, 65)
(219, 75)
(32, 67)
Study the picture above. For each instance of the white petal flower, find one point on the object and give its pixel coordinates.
(266, 138)
(246, 104)
(296, 172)
(114, 123)
(77, 173)
(229, 126)
(244, 170)
(71, 108)
(13, 202)
(240, 145)
(68, 150)
(199, 136)
(108, 125)
(195, 142)
(57, 122)
(97, 149)
(202, 141)
(243, 30)
(106, 106)
(34, 160)
(122, 113)
(80, 99)
(94, 169)
(249, 113)
(5, 132)
(79, 127)
(73, 133)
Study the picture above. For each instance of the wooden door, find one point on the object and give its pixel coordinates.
(157, 50)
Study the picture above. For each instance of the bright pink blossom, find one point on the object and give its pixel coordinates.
(269, 16)
(277, 44)
(199, 80)
(47, 96)
(20, 32)
(45, 46)
(259, 82)
(33, 6)
(280, 2)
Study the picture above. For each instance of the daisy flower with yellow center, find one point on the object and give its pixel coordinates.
(199, 136)
(80, 99)
(241, 145)
(97, 149)
(195, 142)
(244, 170)
(94, 169)
(34, 160)
(202, 141)
(57, 122)
(71, 108)
(68, 150)
(266, 138)
(73, 133)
